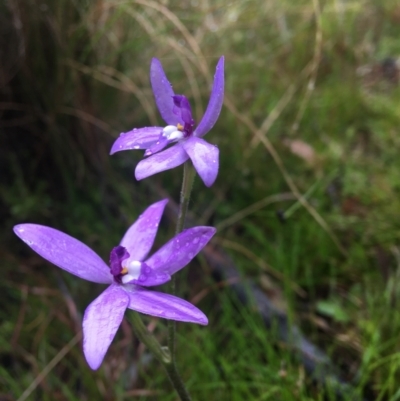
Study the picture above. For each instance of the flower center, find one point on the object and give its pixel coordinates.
(126, 272)
(183, 110)
(172, 133)
(134, 270)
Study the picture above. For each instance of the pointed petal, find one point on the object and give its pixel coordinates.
(163, 93)
(182, 108)
(205, 158)
(100, 323)
(164, 305)
(215, 104)
(180, 250)
(165, 160)
(159, 145)
(138, 138)
(139, 238)
(153, 279)
(65, 252)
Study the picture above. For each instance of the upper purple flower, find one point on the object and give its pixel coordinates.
(176, 112)
(128, 275)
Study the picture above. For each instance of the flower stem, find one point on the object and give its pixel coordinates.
(166, 355)
(172, 371)
(161, 353)
(187, 184)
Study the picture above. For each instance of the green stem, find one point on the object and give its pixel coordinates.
(161, 353)
(177, 382)
(187, 183)
(166, 355)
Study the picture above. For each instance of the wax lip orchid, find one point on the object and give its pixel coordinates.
(129, 274)
(180, 130)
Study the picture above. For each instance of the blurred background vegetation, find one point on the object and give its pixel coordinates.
(306, 202)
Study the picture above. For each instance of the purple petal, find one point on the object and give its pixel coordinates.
(100, 323)
(117, 256)
(182, 108)
(205, 158)
(139, 238)
(180, 250)
(164, 305)
(159, 145)
(138, 138)
(165, 160)
(163, 93)
(152, 279)
(215, 104)
(65, 252)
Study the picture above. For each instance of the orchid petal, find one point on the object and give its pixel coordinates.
(182, 108)
(138, 138)
(165, 160)
(205, 158)
(100, 323)
(180, 250)
(65, 252)
(117, 256)
(151, 280)
(140, 236)
(215, 104)
(163, 93)
(159, 145)
(164, 305)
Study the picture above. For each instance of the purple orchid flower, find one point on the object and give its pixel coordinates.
(180, 131)
(128, 275)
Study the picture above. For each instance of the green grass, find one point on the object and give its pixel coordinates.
(298, 73)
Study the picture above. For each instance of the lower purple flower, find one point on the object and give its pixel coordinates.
(128, 275)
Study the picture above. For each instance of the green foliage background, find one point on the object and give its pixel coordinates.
(309, 131)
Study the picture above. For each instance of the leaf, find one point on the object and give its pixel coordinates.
(333, 309)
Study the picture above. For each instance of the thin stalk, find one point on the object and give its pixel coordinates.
(166, 355)
(161, 353)
(187, 184)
